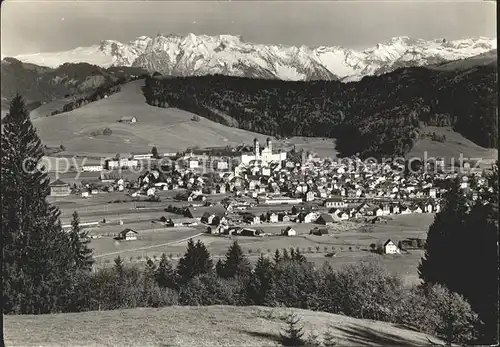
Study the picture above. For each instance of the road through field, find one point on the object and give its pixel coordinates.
(148, 247)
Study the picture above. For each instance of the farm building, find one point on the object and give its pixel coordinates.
(198, 212)
(289, 231)
(336, 202)
(319, 231)
(130, 120)
(168, 222)
(325, 219)
(390, 247)
(128, 235)
(59, 188)
(251, 232)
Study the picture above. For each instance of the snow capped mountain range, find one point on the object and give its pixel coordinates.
(189, 55)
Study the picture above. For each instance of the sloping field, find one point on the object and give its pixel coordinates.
(168, 129)
(454, 145)
(196, 326)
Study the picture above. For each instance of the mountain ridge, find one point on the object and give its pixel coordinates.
(188, 55)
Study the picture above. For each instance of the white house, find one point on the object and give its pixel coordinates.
(343, 216)
(335, 202)
(289, 231)
(85, 194)
(128, 235)
(117, 164)
(391, 248)
(310, 217)
(92, 168)
(309, 196)
(273, 218)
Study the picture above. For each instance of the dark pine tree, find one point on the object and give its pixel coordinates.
(285, 256)
(235, 264)
(154, 152)
(148, 282)
(294, 332)
(277, 256)
(479, 269)
(442, 247)
(196, 261)
(118, 267)
(219, 268)
(260, 283)
(165, 275)
(297, 256)
(36, 258)
(461, 253)
(79, 240)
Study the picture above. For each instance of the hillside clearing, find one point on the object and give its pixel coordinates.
(450, 150)
(169, 129)
(196, 326)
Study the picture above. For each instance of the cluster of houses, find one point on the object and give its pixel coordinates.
(303, 190)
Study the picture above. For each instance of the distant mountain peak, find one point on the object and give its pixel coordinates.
(191, 54)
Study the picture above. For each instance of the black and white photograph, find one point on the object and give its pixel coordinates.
(249, 173)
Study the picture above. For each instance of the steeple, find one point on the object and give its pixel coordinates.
(256, 148)
(269, 144)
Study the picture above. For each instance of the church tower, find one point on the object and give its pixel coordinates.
(269, 145)
(256, 148)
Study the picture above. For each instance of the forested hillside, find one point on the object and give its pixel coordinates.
(42, 84)
(376, 116)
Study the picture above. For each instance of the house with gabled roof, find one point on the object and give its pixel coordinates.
(289, 231)
(391, 248)
(128, 235)
(325, 219)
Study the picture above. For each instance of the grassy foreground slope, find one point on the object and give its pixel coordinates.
(168, 129)
(196, 326)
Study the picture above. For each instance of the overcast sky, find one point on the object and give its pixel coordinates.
(29, 27)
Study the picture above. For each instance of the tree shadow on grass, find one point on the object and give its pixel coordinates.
(268, 336)
(364, 336)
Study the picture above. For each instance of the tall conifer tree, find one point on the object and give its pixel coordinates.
(235, 264)
(79, 240)
(196, 261)
(438, 264)
(37, 259)
(165, 276)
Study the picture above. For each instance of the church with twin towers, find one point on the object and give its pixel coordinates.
(264, 154)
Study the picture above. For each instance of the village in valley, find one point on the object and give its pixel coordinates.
(336, 210)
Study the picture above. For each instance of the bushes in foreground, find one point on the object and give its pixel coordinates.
(364, 290)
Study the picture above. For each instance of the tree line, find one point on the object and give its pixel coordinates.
(48, 270)
(376, 116)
